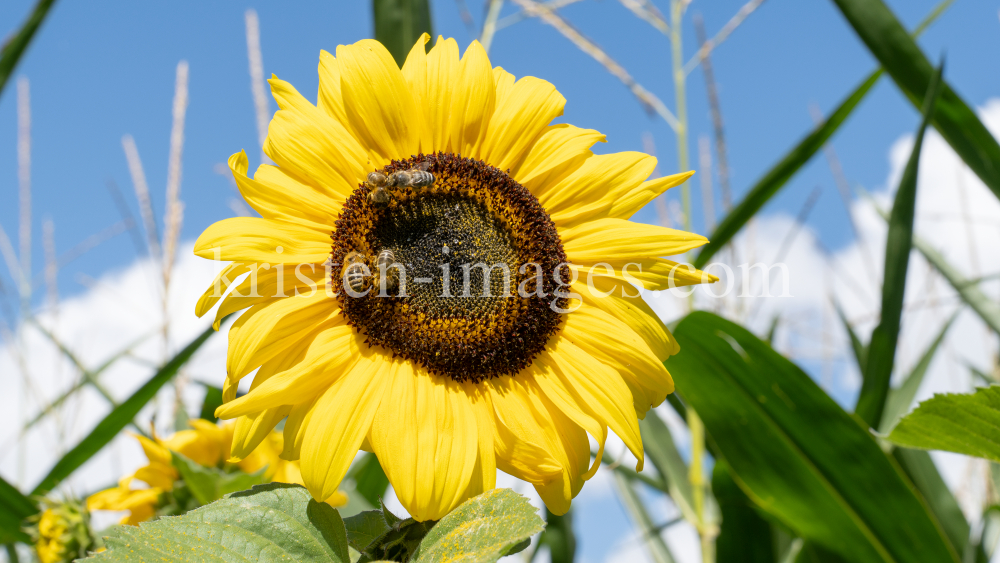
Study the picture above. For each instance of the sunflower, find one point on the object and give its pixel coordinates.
(443, 277)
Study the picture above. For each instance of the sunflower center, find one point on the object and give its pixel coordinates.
(452, 264)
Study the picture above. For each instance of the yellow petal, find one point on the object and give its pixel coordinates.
(426, 438)
(520, 449)
(415, 74)
(276, 282)
(331, 353)
(527, 109)
(219, 287)
(594, 388)
(292, 202)
(312, 146)
(472, 102)
(622, 301)
(503, 81)
(654, 274)
(329, 98)
(378, 103)
(250, 431)
(262, 240)
(602, 178)
(269, 328)
(628, 203)
(606, 240)
(558, 151)
(441, 73)
(338, 423)
(294, 431)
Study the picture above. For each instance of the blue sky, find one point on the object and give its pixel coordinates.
(102, 70)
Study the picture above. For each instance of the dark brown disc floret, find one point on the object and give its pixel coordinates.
(464, 275)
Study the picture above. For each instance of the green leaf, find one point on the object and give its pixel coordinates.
(744, 535)
(212, 401)
(901, 398)
(899, 240)
(987, 309)
(14, 508)
(776, 178)
(15, 46)
(364, 528)
(795, 452)
(273, 522)
(118, 418)
(209, 484)
(482, 529)
(965, 424)
(921, 470)
(902, 58)
(662, 452)
(558, 537)
(399, 23)
(370, 480)
(658, 548)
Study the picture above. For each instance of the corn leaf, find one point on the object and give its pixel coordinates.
(881, 354)
(900, 398)
(15, 47)
(14, 508)
(399, 23)
(744, 534)
(662, 452)
(920, 468)
(913, 73)
(962, 423)
(796, 453)
(118, 418)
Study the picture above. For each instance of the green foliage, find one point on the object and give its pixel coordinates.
(744, 535)
(987, 309)
(208, 484)
(900, 398)
(662, 452)
(921, 470)
(118, 418)
(902, 58)
(482, 529)
(881, 354)
(15, 46)
(966, 424)
(796, 453)
(274, 522)
(399, 23)
(558, 537)
(369, 479)
(212, 401)
(14, 507)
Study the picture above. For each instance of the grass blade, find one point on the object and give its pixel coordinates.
(859, 348)
(899, 240)
(119, 418)
(633, 505)
(913, 73)
(987, 309)
(14, 508)
(14, 48)
(662, 452)
(399, 23)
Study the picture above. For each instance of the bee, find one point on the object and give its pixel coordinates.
(378, 196)
(416, 177)
(354, 271)
(385, 260)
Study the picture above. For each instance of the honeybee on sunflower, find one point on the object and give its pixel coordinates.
(444, 381)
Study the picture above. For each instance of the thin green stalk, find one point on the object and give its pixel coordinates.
(657, 547)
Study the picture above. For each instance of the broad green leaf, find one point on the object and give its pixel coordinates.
(776, 178)
(212, 401)
(370, 480)
(208, 484)
(364, 528)
(482, 529)
(15, 46)
(274, 522)
(662, 452)
(966, 424)
(744, 535)
(902, 58)
(118, 418)
(796, 453)
(658, 548)
(860, 351)
(14, 508)
(900, 398)
(558, 537)
(881, 354)
(399, 23)
(921, 470)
